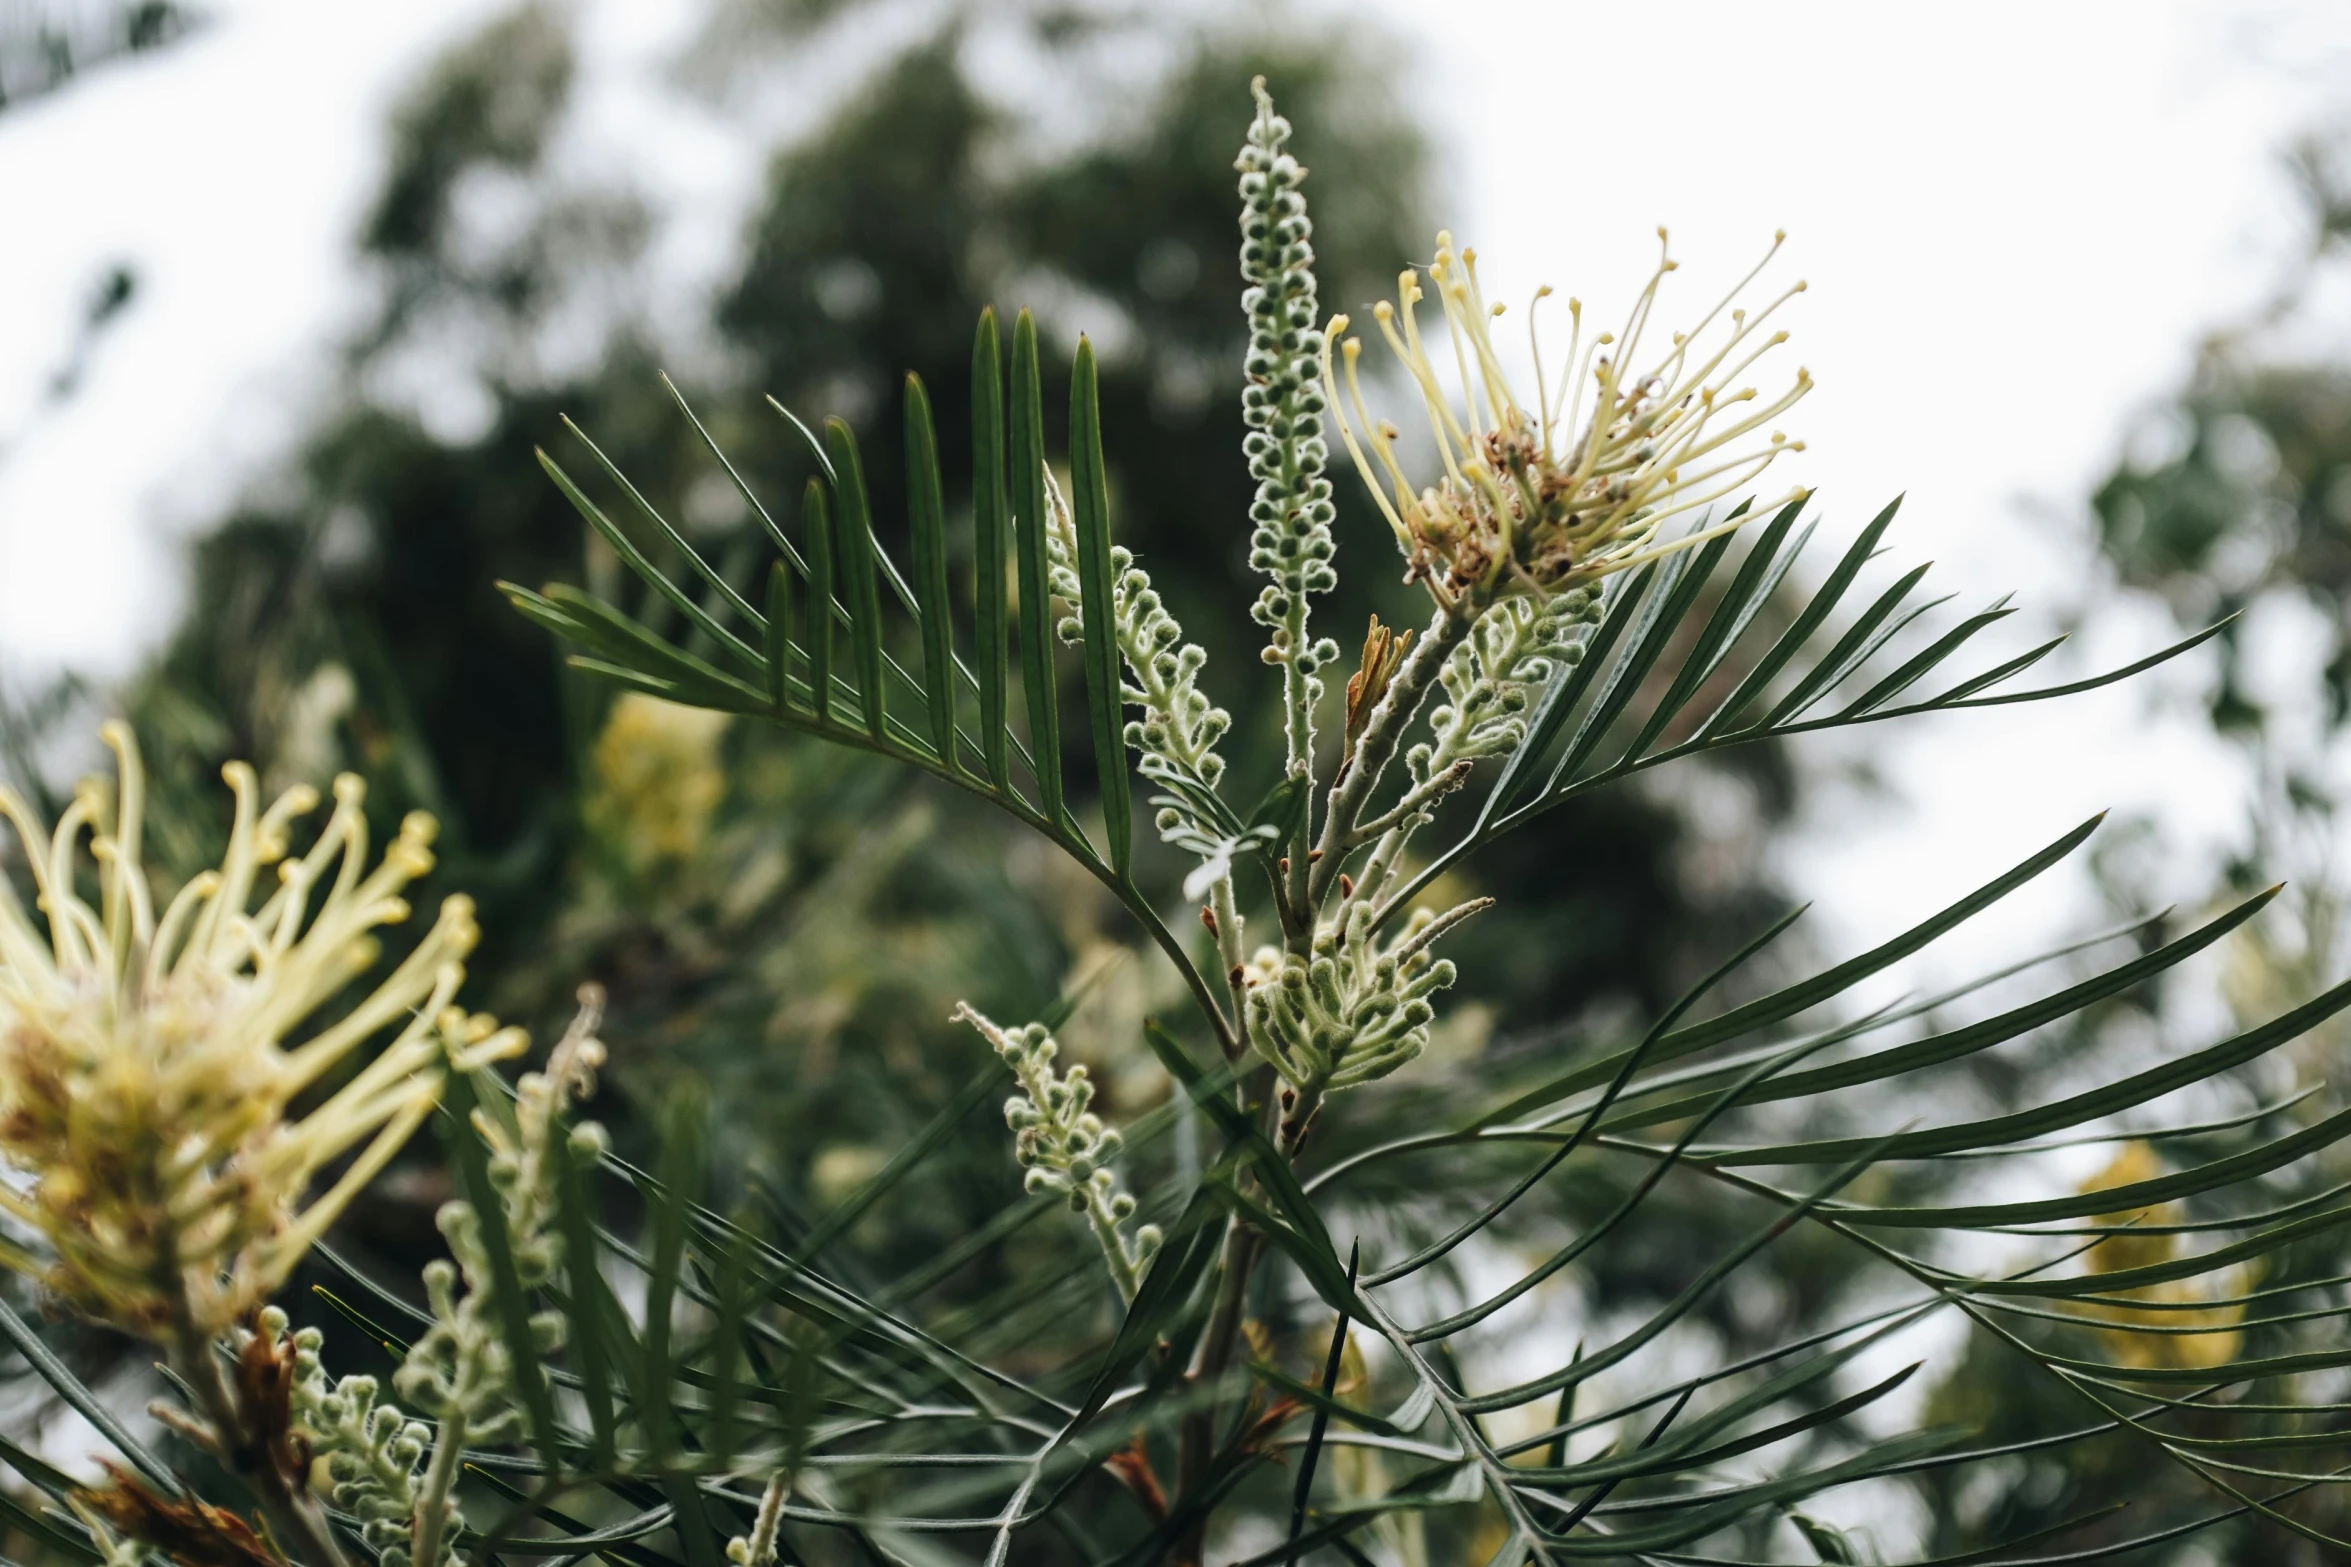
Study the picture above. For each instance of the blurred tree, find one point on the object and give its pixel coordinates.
(46, 45)
(2232, 498)
(777, 939)
(347, 615)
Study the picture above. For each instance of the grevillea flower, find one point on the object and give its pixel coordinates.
(1577, 485)
(148, 1063)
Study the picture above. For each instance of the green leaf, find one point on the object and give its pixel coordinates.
(1959, 1043)
(1191, 1245)
(1282, 812)
(661, 525)
(817, 521)
(726, 1368)
(1029, 523)
(506, 1292)
(1815, 614)
(1322, 1415)
(635, 560)
(1993, 1131)
(1847, 653)
(781, 626)
(1697, 1289)
(1680, 580)
(904, 1162)
(393, 1344)
(41, 1529)
(989, 506)
(1760, 575)
(742, 486)
(1565, 693)
(681, 1174)
(927, 506)
(1631, 1063)
(1917, 666)
(1089, 499)
(595, 624)
(856, 565)
(590, 1350)
(82, 1401)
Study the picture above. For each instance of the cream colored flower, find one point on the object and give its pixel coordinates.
(1577, 485)
(658, 779)
(147, 1063)
(2189, 1333)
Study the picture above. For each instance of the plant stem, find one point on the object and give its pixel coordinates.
(1229, 951)
(432, 1503)
(1298, 701)
(1382, 732)
(1214, 1354)
(295, 1522)
(1114, 1250)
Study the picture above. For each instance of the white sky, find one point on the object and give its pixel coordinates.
(2016, 220)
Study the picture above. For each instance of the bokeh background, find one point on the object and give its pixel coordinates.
(289, 292)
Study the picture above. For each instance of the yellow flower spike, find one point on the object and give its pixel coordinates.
(1555, 496)
(147, 1064)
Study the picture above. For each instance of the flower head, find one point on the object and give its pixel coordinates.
(1576, 485)
(658, 779)
(148, 1062)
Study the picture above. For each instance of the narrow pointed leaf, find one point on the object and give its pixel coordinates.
(1322, 1415)
(652, 576)
(1794, 999)
(1029, 523)
(989, 509)
(855, 563)
(670, 535)
(1756, 579)
(927, 507)
(1816, 612)
(1848, 650)
(726, 1363)
(1089, 501)
(1680, 579)
(1918, 665)
(1569, 683)
(742, 486)
(1961, 1042)
(2124, 1094)
(83, 1402)
(780, 635)
(817, 520)
(596, 625)
(590, 1351)
(680, 1176)
(506, 1292)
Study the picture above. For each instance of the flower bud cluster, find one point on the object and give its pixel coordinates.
(1351, 1012)
(1065, 1147)
(460, 1370)
(1576, 483)
(1282, 400)
(1509, 653)
(373, 1451)
(1176, 737)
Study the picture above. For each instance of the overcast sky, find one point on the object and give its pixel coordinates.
(2016, 220)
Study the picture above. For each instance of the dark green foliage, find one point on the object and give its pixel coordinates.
(841, 1279)
(46, 47)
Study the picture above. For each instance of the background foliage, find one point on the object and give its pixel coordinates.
(783, 927)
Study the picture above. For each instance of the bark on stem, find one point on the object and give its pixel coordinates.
(296, 1524)
(1383, 731)
(432, 1503)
